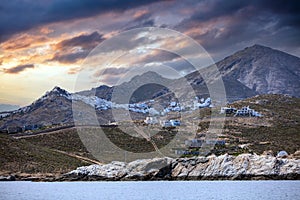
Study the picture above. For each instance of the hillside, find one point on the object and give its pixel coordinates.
(56, 152)
(19, 156)
(278, 128)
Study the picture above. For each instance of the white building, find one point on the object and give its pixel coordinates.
(246, 111)
(227, 110)
(166, 123)
(175, 122)
(151, 120)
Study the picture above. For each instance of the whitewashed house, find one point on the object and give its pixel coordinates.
(246, 111)
(175, 122)
(151, 120)
(227, 110)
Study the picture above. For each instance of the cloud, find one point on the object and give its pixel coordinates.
(23, 41)
(218, 8)
(46, 30)
(142, 18)
(223, 27)
(111, 75)
(74, 70)
(86, 41)
(76, 48)
(114, 71)
(18, 69)
(156, 56)
(69, 58)
(29, 14)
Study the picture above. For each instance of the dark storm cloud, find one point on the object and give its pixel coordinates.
(69, 58)
(76, 48)
(144, 20)
(19, 15)
(18, 69)
(85, 41)
(273, 23)
(288, 12)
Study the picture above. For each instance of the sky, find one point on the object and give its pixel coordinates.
(67, 43)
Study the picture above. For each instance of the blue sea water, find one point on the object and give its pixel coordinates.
(154, 190)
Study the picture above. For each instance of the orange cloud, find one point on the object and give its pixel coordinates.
(74, 70)
(140, 13)
(23, 41)
(46, 30)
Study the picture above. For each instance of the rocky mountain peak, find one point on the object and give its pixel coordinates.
(264, 70)
(147, 76)
(57, 91)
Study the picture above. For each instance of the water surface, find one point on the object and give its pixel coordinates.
(154, 190)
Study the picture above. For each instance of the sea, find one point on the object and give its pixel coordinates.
(151, 190)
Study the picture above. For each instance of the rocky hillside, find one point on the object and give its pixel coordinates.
(264, 70)
(55, 107)
(143, 87)
(258, 70)
(244, 166)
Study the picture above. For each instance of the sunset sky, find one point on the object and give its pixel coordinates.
(44, 43)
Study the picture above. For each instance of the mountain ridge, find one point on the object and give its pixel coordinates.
(248, 72)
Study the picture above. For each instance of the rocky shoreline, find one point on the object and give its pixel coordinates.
(224, 167)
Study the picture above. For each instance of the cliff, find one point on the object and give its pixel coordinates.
(242, 167)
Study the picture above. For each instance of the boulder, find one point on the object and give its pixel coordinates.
(282, 154)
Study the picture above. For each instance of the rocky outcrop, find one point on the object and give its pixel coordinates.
(245, 166)
(7, 178)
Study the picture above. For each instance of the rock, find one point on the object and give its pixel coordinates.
(295, 155)
(113, 171)
(244, 166)
(149, 168)
(7, 178)
(282, 154)
(268, 153)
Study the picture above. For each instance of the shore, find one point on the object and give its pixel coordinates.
(224, 167)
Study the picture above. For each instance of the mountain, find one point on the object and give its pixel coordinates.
(264, 70)
(258, 70)
(251, 71)
(136, 86)
(55, 107)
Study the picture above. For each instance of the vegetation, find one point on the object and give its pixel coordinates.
(277, 130)
(65, 140)
(19, 155)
